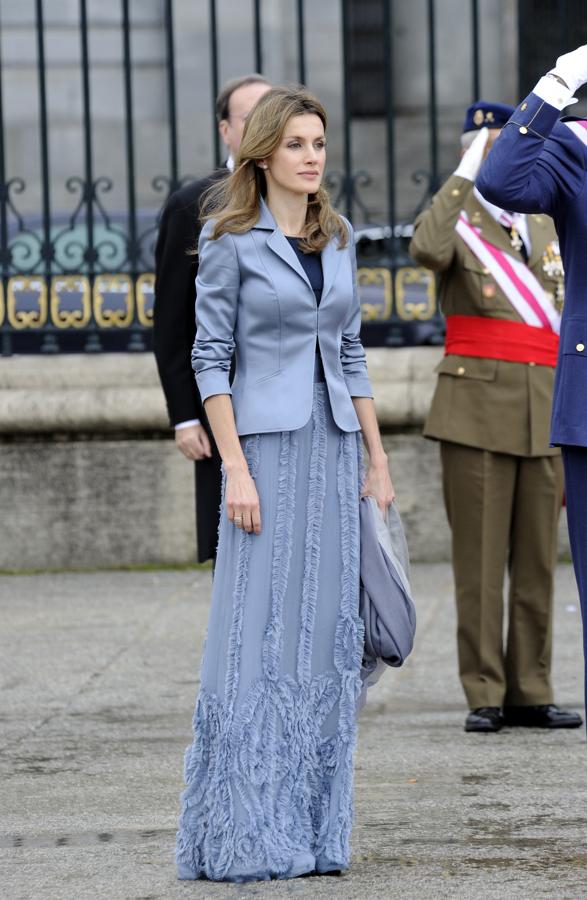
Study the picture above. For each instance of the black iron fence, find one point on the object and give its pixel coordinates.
(78, 275)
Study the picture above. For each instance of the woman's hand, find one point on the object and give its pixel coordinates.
(378, 484)
(242, 501)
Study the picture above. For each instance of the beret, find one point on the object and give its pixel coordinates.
(487, 115)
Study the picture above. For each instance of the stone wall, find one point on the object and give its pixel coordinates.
(90, 477)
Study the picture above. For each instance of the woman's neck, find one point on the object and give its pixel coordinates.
(289, 211)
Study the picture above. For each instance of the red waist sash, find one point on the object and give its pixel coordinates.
(500, 339)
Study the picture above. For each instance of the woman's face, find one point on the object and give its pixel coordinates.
(298, 163)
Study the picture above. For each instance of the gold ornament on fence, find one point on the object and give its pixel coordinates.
(375, 294)
(145, 294)
(27, 302)
(415, 293)
(113, 301)
(71, 305)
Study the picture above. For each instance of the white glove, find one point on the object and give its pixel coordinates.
(473, 157)
(572, 68)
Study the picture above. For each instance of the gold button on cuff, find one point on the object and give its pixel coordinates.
(524, 106)
(523, 130)
(461, 370)
(580, 347)
(455, 192)
(531, 363)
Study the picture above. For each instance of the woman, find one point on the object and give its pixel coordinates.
(269, 775)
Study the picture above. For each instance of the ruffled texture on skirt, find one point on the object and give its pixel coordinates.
(270, 772)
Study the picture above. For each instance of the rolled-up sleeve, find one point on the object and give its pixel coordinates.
(352, 354)
(217, 288)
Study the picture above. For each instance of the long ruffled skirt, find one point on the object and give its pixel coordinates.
(269, 774)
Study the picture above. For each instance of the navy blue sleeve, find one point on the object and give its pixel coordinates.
(536, 164)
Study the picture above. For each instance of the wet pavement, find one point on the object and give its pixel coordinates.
(99, 675)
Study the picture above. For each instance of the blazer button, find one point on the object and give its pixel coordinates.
(531, 363)
(580, 347)
(523, 130)
(461, 370)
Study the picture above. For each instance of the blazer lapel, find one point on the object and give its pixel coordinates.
(280, 245)
(277, 241)
(331, 257)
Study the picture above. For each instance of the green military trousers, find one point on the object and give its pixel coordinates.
(503, 511)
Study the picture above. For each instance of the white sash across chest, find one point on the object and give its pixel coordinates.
(521, 287)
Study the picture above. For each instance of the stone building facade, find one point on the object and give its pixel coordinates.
(323, 45)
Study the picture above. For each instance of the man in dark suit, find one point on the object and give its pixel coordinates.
(174, 319)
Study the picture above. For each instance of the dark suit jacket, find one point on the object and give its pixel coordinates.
(175, 294)
(173, 335)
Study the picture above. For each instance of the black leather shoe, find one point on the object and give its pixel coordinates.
(484, 718)
(545, 716)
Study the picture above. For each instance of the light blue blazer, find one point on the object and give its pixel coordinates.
(254, 300)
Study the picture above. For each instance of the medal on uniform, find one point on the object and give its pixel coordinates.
(552, 266)
(507, 220)
(515, 240)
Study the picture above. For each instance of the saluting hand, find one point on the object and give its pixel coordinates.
(572, 68)
(473, 156)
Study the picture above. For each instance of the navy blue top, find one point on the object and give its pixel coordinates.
(312, 263)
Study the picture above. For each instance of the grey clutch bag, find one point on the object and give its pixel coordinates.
(386, 604)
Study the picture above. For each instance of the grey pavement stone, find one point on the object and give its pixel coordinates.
(99, 674)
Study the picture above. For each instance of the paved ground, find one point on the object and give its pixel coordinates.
(99, 678)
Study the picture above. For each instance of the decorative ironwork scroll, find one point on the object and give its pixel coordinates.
(27, 302)
(145, 297)
(375, 293)
(71, 301)
(113, 301)
(415, 289)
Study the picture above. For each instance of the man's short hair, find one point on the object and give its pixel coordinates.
(223, 98)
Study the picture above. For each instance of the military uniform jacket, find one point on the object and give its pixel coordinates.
(539, 164)
(487, 403)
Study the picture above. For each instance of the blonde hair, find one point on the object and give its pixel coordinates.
(234, 202)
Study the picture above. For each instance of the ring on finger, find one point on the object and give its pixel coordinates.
(238, 521)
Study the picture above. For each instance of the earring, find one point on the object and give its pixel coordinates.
(262, 165)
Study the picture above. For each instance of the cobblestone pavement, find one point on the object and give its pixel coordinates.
(99, 675)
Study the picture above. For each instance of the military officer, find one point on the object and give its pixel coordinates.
(501, 291)
(540, 165)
